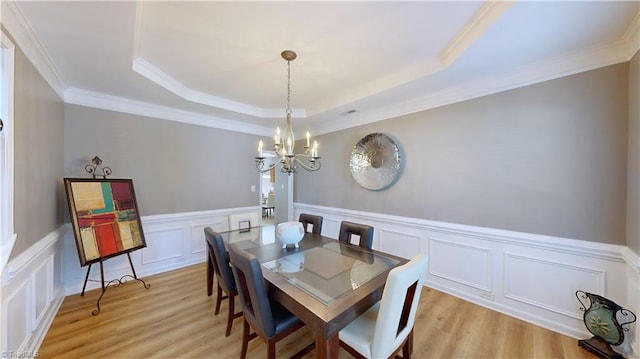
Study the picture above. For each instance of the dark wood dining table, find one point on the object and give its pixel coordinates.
(324, 282)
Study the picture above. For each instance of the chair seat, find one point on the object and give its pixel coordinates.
(359, 333)
(282, 318)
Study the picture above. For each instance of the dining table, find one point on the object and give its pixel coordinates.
(326, 283)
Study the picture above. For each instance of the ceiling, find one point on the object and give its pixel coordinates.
(218, 64)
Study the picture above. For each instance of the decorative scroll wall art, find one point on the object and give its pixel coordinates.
(375, 161)
(105, 217)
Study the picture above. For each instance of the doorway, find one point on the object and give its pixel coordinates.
(267, 197)
(275, 195)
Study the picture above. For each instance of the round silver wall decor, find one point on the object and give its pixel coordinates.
(375, 161)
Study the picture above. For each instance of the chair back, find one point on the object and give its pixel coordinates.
(243, 220)
(397, 313)
(347, 229)
(215, 244)
(252, 291)
(309, 219)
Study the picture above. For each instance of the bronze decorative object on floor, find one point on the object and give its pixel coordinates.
(601, 319)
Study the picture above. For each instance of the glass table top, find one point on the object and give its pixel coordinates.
(330, 270)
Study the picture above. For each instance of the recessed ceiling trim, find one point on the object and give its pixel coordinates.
(377, 86)
(120, 104)
(570, 64)
(146, 69)
(488, 14)
(22, 33)
(632, 35)
(162, 79)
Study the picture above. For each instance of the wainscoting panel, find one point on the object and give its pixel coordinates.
(198, 246)
(400, 243)
(163, 245)
(330, 227)
(530, 280)
(461, 263)
(17, 311)
(42, 289)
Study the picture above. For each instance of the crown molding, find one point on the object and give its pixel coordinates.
(81, 97)
(589, 59)
(600, 56)
(488, 14)
(162, 79)
(25, 39)
(632, 36)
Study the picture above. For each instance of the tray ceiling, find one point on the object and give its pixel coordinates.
(218, 63)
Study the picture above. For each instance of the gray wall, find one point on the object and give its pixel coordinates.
(175, 167)
(38, 156)
(633, 181)
(549, 158)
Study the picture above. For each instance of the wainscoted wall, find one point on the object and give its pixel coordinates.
(36, 282)
(173, 241)
(527, 276)
(32, 294)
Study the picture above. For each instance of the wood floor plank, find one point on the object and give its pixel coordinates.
(174, 319)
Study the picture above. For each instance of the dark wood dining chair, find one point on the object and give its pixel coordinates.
(313, 220)
(347, 229)
(222, 268)
(387, 326)
(268, 318)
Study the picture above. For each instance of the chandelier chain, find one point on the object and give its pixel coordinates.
(288, 89)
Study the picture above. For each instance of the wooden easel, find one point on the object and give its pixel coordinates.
(115, 282)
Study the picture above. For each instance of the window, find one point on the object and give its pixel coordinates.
(7, 237)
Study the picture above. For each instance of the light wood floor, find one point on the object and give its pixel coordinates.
(174, 319)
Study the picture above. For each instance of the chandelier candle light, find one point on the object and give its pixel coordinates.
(284, 147)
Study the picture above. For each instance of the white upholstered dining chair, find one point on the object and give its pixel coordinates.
(387, 326)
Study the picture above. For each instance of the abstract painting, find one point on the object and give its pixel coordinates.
(105, 217)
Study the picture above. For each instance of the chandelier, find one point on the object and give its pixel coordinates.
(284, 144)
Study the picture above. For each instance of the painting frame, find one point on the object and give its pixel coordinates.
(105, 218)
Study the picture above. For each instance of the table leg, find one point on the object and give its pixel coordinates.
(327, 347)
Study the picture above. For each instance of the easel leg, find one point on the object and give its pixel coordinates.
(104, 289)
(133, 270)
(131, 264)
(86, 278)
(116, 282)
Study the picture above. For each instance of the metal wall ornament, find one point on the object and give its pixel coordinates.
(375, 161)
(601, 317)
